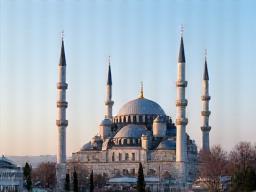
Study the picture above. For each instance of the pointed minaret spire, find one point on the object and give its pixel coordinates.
(61, 121)
(109, 103)
(206, 76)
(205, 113)
(141, 90)
(181, 58)
(109, 82)
(62, 53)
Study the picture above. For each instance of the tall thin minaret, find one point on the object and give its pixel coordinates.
(61, 121)
(181, 103)
(109, 103)
(205, 113)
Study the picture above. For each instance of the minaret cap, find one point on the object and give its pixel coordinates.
(181, 58)
(109, 82)
(62, 53)
(206, 75)
(141, 96)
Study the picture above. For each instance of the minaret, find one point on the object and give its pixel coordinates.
(61, 121)
(181, 103)
(109, 103)
(205, 113)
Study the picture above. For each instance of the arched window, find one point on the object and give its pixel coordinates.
(133, 156)
(126, 156)
(166, 175)
(125, 172)
(113, 156)
(120, 156)
(151, 172)
(129, 119)
(140, 119)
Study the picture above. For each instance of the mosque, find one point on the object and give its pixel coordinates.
(140, 132)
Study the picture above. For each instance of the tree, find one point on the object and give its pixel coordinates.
(243, 167)
(45, 174)
(99, 180)
(82, 175)
(91, 182)
(67, 182)
(212, 165)
(27, 169)
(140, 180)
(75, 181)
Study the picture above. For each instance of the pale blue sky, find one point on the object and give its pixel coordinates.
(142, 37)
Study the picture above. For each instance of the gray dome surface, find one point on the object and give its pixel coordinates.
(167, 144)
(132, 130)
(141, 106)
(87, 146)
(106, 122)
(6, 163)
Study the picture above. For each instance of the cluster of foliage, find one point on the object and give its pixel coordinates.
(239, 164)
(91, 182)
(27, 170)
(45, 175)
(67, 182)
(82, 180)
(140, 180)
(75, 181)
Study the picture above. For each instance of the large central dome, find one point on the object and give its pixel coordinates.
(141, 106)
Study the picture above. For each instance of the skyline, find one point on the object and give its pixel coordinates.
(143, 41)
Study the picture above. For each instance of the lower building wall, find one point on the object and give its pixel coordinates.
(159, 163)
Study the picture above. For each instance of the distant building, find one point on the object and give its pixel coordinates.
(11, 176)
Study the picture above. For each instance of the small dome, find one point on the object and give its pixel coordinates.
(87, 146)
(6, 163)
(106, 122)
(132, 131)
(141, 106)
(167, 144)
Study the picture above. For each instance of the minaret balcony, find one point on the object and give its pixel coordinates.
(180, 103)
(206, 97)
(62, 85)
(181, 121)
(62, 104)
(62, 123)
(205, 113)
(109, 103)
(181, 83)
(206, 128)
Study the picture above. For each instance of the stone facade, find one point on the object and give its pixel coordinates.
(11, 176)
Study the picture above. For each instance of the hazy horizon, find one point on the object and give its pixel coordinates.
(142, 38)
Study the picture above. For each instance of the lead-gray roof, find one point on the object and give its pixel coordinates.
(106, 122)
(87, 146)
(132, 131)
(167, 144)
(7, 163)
(141, 106)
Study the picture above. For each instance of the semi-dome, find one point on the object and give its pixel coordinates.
(141, 106)
(167, 144)
(132, 131)
(6, 163)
